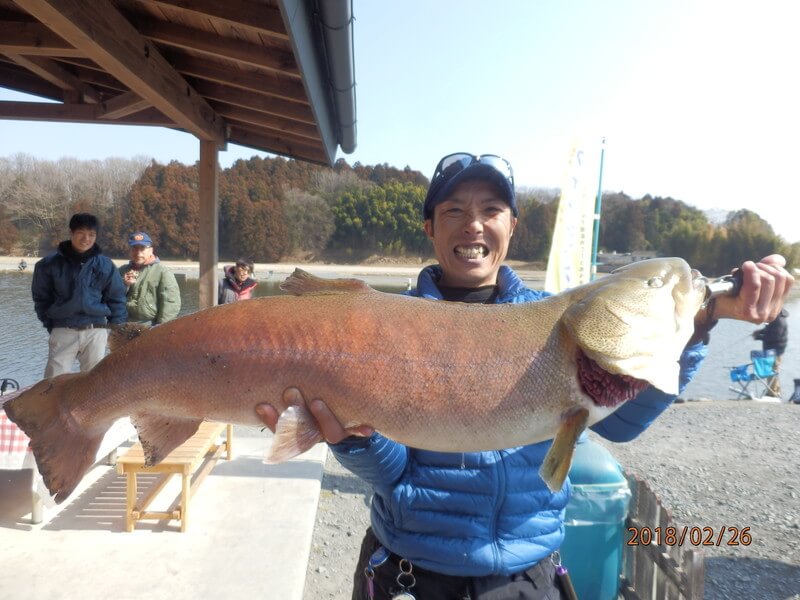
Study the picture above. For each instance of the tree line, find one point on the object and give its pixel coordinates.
(273, 209)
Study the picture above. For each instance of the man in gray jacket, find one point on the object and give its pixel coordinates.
(77, 293)
(153, 293)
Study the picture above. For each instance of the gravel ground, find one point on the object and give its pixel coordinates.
(713, 464)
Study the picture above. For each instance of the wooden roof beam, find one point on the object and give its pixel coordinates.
(256, 17)
(75, 113)
(211, 70)
(277, 145)
(123, 105)
(33, 39)
(22, 80)
(54, 73)
(106, 37)
(189, 38)
(253, 117)
(254, 101)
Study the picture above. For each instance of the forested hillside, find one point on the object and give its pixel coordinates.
(273, 209)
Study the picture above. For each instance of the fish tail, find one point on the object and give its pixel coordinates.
(295, 432)
(63, 450)
(557, 461)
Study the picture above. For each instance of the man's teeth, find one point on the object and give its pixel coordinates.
(471, 251)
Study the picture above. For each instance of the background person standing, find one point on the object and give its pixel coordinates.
(775, 336)
(238, 283)
(77, 292)
(153, 293)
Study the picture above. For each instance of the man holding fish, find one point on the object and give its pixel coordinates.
(485, 524)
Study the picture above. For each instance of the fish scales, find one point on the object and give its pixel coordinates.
(369, 355)
(433, 375)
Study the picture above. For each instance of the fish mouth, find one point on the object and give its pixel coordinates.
(471, 251)
(606, 389)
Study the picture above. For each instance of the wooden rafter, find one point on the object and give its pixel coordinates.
(237, 13)
(279, 125)
(76, 113)
(255, 101)
(17, 78)
(33, 39)
(105, 36)
(247, 137)
(188, 38)
(51, 71)
(211, 70)
(123, 105)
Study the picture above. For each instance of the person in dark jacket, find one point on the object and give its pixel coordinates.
(774, 336)
(238, 283)
(484, 525)
(77, 293)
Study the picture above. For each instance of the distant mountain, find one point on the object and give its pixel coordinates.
(717, 216)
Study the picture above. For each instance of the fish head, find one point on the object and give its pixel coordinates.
(636, 321)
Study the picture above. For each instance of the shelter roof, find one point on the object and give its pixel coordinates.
(274, 75)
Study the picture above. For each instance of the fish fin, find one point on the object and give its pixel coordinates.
(160, 435)
(122, 334)
(303, 283)
(63, 450)
(557, 462)
(295, 432)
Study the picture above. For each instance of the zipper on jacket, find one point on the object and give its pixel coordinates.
(501, 492)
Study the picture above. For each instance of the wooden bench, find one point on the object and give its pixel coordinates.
(203, 448)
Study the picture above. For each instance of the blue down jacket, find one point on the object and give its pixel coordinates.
(67, 293)
(479, 513)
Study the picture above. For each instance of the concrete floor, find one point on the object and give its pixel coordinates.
(249, 534)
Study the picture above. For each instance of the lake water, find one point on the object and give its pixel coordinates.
(23, 341)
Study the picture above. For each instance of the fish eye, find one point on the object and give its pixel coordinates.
(655, 282)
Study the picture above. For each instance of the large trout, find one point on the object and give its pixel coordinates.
(435, 375)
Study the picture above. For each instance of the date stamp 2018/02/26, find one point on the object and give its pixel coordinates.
(695, 536)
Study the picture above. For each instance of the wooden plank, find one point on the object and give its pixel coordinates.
(75, 113)
(254, 80)
(255, 101)
(203, 42)
(123, 105)
(51, 71)
(694, 566)
(257, 17)
(15, 77)
(277, 144)
(33, 39)
(105, 36)
(648, 509)
(272, 124)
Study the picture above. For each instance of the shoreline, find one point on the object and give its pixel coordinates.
(266, 271)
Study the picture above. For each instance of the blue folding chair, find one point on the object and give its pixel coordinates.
(756, 373)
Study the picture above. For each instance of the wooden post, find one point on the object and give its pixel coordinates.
(209, 210)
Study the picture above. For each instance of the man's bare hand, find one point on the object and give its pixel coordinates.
(765, 286)
(332, 430)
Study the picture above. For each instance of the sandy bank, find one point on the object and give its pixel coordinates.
(265, 271)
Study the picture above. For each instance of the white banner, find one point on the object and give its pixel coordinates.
(570, 260)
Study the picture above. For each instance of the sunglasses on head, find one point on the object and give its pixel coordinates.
(458, 161)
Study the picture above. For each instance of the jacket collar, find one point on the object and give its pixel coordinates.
(508, 283)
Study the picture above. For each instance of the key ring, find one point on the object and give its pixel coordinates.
(406, 574)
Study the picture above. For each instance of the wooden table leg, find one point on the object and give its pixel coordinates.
(186, 478)
(130, 503)
(228, 441)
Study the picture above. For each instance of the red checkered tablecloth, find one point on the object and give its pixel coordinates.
(13, 444)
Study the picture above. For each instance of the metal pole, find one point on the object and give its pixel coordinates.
(597, 205)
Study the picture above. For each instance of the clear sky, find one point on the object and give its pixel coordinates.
(697, 100)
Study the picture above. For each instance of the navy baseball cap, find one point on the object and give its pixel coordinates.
(140, 238)
(456, 168)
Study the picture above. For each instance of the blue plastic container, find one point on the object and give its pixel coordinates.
(595, 522)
